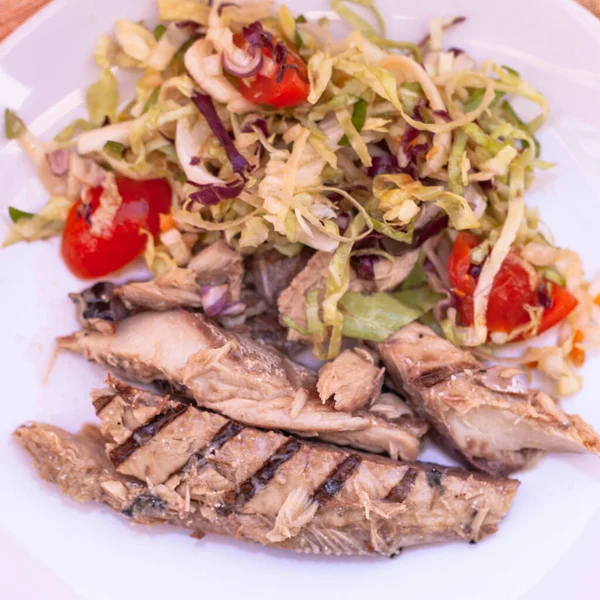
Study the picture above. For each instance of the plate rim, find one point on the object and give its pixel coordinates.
(581, 16)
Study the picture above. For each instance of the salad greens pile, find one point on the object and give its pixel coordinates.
(397, 146)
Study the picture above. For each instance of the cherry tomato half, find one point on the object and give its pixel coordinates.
(563, 302)
(89, 256)
(512, 290)
(293, 88)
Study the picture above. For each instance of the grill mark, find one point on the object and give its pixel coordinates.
(226, 433)
(235, 500)
(336, 479)
(145, 505)
(144, 434)
(399, 493)
(171, 388)
(432, 377)
(101, 403)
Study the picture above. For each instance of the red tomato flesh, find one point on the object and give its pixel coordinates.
(563, 302)
(511, 292)
(293, 88)
(89, 256)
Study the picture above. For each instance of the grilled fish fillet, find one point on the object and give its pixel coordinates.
(171, 462)
(494, 423)
(239, 378)
(352, 379)
(216, 265)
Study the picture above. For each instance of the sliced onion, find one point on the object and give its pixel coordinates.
(209, 195)
(58, 162)
(253, 120)
(444, 114)
(214, 298)
(207, 108)
(257, 37)
(280, 53)
(342, 220)
(283, 68)
(242, 63)
(185, 24)
(225, 5)
(364, 265)
(237, 308)
(188, 141)
(428, 230)
(383, 164)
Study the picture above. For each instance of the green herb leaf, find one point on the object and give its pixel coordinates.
(554, 276)
(299, 41)
(359, 116)
(513, 118)
(114, 149)
(412, 86)
(152, 100)
(184, 48)
(13, 126)
(511, 71)
(474, 100)
(15, 214)
(159, 31)
(410, 93)
(180, 176)
(291, 324)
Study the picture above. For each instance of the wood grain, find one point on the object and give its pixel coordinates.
(15, 12)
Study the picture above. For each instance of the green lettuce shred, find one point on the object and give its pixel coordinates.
(315, 326)
(336, 285)
(459, 145)
(102, 98)
(159, 31)
(17, 214)
(46, 223)
(359, 116)
(114, 149)
(514, 119)
(13, 125)
(72, 129)
(377, 316)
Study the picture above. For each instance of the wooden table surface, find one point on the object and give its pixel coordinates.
(14, 12)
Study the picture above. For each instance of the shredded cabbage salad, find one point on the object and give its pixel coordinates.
(398, 147)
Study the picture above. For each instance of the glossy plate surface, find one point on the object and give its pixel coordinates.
(53, 547)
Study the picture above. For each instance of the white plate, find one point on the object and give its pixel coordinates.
(53, 547)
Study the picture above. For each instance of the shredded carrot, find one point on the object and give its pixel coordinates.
(577, 354)
(166, 222)
(597, 300)
(531, 365)
(432, 152)
(577, 357)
